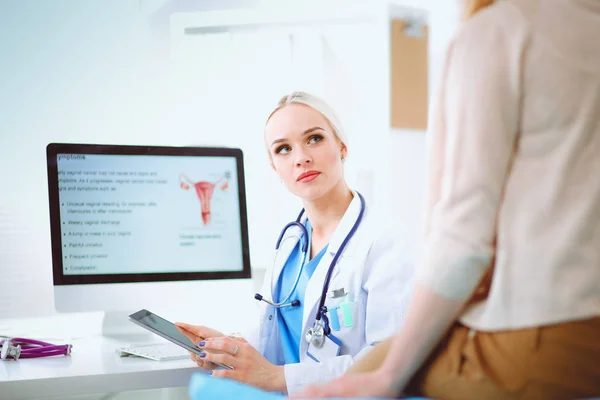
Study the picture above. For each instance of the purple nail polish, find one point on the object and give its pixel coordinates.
(203, 355)
(201, 344)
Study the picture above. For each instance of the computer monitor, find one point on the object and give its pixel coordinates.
(161, 228)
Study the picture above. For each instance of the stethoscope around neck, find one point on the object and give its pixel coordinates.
(321, 325)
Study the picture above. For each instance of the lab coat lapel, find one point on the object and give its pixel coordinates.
(314, 288)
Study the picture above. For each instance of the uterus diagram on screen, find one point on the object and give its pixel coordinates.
(204, 191)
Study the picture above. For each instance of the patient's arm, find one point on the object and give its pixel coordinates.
(428, 318)
(373, 359)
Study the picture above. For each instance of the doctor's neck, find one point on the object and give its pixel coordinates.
(325, 212)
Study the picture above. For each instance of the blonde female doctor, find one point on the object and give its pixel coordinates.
(339, 282)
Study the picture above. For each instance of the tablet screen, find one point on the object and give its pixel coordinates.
(163, 326)
(168, 330)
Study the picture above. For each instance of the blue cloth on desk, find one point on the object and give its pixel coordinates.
(290, 318)
(205, 387)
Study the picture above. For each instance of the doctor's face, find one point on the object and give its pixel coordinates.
(305, 152)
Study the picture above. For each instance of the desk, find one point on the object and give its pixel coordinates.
(93, 367)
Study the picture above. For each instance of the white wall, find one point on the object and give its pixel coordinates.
(93, 71)
(84, 71)
(407, 149)
(70, 71)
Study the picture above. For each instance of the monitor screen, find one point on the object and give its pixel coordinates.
(146, 213)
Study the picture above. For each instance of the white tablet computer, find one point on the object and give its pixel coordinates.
(167, 330)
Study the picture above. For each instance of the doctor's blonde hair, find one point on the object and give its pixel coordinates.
(317, 104)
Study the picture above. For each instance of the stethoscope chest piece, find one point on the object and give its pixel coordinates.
(316, 334)
(10, 351)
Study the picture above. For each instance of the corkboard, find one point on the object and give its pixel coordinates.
(409, 77)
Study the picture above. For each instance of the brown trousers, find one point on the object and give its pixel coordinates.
(559, 361)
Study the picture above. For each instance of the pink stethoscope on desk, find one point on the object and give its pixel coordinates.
(29, 348)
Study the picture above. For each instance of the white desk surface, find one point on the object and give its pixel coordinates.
(93, 366)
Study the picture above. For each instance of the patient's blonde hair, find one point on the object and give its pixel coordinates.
(471, 7)
(316, 104)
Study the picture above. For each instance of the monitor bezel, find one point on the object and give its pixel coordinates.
(53, 149)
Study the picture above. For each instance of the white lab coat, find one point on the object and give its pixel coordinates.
(373, 269)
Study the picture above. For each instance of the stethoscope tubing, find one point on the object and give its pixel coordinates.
(303, 238)
(31, 348)
(321, 310)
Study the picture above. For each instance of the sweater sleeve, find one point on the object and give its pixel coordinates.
(473, 137)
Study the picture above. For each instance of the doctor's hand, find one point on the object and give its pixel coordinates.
(198, 333)
(370, 384)
(249, 366)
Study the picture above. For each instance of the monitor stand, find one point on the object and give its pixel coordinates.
(116, 325)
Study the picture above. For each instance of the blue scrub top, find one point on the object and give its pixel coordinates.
(290, 318)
